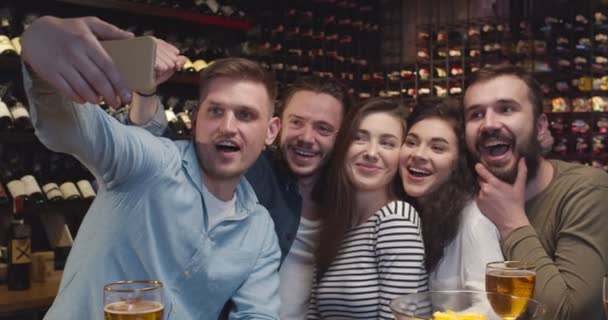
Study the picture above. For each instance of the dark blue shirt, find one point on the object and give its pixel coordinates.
(277, 190)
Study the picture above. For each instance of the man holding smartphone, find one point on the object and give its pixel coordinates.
(178, 212)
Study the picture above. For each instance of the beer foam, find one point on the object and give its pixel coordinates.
(137, 307)
(512, 273)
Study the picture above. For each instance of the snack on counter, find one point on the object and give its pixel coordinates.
(451, 315)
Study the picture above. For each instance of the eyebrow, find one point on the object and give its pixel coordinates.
(434, 139)
(384, 135)
(236, 106)
(499, 101)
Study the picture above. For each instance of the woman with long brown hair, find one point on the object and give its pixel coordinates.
(459, 240)
(371, 245)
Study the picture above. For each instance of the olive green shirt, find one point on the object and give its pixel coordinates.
(567, 241)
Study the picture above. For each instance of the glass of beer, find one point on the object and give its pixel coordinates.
(514, 278)
(133, 300)
(605, 296)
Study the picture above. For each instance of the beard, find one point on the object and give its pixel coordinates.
(527, 148)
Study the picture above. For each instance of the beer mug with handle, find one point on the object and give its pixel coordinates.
(133, 300)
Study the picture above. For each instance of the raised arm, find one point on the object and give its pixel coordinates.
(146, 110)
(67, 54)
(106, 147)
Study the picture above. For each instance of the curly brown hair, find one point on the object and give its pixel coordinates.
(441, 217)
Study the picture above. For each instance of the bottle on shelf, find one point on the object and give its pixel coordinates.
(6, 120)
(12, 179)
(67, 186)
(6, 32)
(19, 113)
(33, 193)
(19, 249)
(83, 183)
(70, 170)
(210, 7)
(176, 126)
(48, 178)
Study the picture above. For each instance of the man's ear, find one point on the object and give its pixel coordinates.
(274, 126)
(545, 138)
(542, 125)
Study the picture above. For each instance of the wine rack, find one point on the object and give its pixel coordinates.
(567, 55)
(337, 39)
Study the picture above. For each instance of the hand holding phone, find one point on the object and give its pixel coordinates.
(135, 60)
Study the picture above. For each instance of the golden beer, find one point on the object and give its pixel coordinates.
(137, 310)
(518, 283)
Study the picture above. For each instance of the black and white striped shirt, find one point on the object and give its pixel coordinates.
(378, 260)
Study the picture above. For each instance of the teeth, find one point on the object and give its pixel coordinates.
(495, 143)
(304, 153)
(416, 170)
(227, 144)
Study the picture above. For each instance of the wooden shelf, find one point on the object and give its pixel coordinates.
(39, 296)
(144, 9)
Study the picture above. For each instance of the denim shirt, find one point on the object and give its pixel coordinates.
(149, 221)
(273, 183)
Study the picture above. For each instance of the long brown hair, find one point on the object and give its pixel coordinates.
(334, 193)
(441, 217)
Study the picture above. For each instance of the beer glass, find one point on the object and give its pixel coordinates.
(605, 296)
(514, 278)
(133, 300)
(459, 304)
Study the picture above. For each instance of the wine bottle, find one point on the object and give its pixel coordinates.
(211, 7)
(48, 179)
(176, 126)
(84, 184)
(6, 47)
(16, 42)
(11, 177)
(69, 191)
(21, 117)
(67, 185)
(184, 118)
(6, 120)
(32, 189)
(19, 249)
(6, 31)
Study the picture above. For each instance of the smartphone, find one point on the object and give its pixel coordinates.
(134, 59)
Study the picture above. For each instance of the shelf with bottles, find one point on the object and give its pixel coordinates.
(44, 179)
(217, 15)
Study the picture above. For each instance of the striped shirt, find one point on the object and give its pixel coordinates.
(378, 260)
